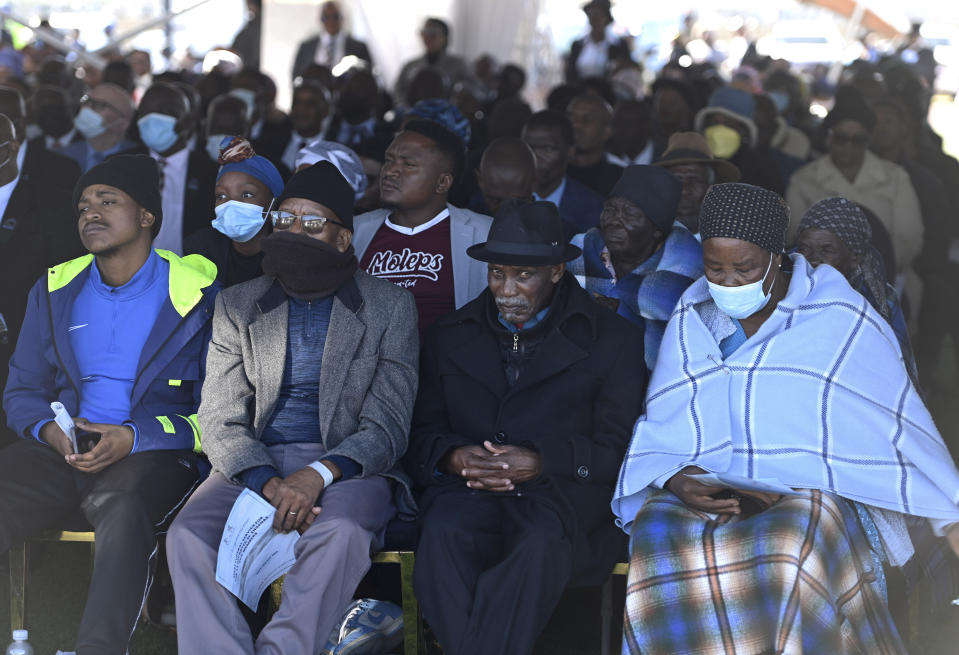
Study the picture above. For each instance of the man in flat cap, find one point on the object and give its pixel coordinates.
(119, 338)
(639, 260)
(527, 398)
(312, 376)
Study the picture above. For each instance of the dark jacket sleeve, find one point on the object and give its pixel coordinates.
(31, 386)
(431, 437)
(597, 457)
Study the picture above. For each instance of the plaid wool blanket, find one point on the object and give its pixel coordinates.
(649, 293)
(795, 578)
(819, 398)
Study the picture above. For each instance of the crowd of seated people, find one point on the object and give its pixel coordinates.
(521, 337)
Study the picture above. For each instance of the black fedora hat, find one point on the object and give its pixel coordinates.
(525, 233)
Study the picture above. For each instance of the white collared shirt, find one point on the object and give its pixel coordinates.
(644, 158)
(339, 45)
(173, 177)
(62, 142)
(293, 147)
(409, 231)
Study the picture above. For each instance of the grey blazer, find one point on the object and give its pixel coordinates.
(367, 382)
(466, 228)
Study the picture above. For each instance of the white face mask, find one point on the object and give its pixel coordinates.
(742, 301)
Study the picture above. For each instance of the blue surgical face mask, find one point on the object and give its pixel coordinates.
(742, 301)
(89, 123)
(780, 99)
(158, 131)
(238, 220)
(249, 98)
(213, 145)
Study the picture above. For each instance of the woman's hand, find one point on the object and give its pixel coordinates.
(698, 495)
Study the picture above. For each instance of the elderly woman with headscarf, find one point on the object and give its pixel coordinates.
(246, 185)
(639, 261)
(787, 390)
(835, 231)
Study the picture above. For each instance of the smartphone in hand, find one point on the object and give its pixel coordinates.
(86, 440)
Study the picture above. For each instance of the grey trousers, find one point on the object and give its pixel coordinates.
(332, 556)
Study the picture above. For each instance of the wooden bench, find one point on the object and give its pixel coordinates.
(19, 554)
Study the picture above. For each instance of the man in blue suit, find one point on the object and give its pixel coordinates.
(550, 136)
(119, 337)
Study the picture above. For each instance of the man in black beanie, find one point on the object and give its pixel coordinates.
(117, 337)
(313, 371)
(639, 260)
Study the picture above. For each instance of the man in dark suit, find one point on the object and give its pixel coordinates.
(50, 110)
(527, 398)
(187, 178)
(332, 44)
(37, 228)
(549, 134)
(309, 112)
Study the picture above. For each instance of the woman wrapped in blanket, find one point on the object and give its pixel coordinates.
(772, 371)
(835, 231)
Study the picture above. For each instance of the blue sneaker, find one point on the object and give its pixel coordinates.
(334, 639)
(371, 627)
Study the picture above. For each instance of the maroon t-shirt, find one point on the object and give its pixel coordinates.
(418, 262)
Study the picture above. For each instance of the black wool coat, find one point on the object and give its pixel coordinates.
(575, 403)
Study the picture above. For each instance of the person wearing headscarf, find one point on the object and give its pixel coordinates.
(309, 392)
(786, 390)
(835, 231)
(638, 261)
(446, 114)
(246, 186)
(850, 170)
(344, 158)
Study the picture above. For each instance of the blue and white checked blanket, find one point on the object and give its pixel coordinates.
(818, 398)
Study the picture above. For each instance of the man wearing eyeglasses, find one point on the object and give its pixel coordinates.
(103, 120)
(311, 377)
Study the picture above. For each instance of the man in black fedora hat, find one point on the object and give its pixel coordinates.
(526, 402)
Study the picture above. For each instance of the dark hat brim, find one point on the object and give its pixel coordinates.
(485, 253)
(725, 171)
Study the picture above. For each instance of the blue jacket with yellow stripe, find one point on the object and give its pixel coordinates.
(166, 391)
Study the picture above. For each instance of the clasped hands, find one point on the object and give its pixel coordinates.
(493, 468)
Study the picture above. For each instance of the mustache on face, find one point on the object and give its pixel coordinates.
(511, 306)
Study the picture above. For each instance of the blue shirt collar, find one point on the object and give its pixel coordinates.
(556, 196)
(140, 283)
(531, 323)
